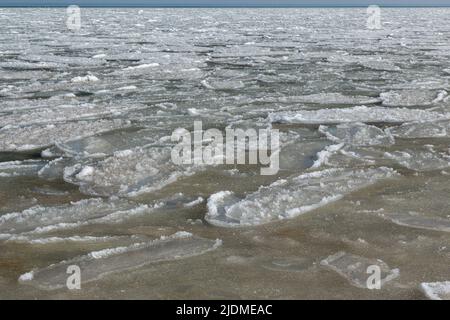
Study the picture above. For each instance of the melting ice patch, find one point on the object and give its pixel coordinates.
(362, 114)
(354, 268)
(98, 264)
(290, 197)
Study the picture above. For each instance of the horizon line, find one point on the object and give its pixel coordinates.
(223, 6)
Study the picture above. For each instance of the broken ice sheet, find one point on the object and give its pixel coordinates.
(362, 114)
(417, 220)
(41, 219)
(357, 134)
(34, 137)
(436, 290)
(355, 268)
(288, 198)
(98, 264)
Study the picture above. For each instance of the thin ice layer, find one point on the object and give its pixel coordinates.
(356, 114)
(290, 197)
(355, 269)
(98, 264)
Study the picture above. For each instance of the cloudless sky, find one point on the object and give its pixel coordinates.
(224, 2)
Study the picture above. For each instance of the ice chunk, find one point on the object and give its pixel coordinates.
(129, 173)
(355, 268)
(356, 114)
(324, 155)
(98, 264)
(39, 219)
(415, 220)
(357, 134)
(436, 290)
(290, 197)
(411, 98)
(40, 136)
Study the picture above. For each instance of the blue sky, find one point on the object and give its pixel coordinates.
(225, 2)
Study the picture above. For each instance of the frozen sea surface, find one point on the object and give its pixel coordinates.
(86, 175)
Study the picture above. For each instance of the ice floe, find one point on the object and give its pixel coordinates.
(355, 268)
(421, 159)
(290, 197)
(13, 138)
(362, 114)
(422, 129)
(412, 98)
(41, 219)
(98, 264)
(20, 168)
(129, 172)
